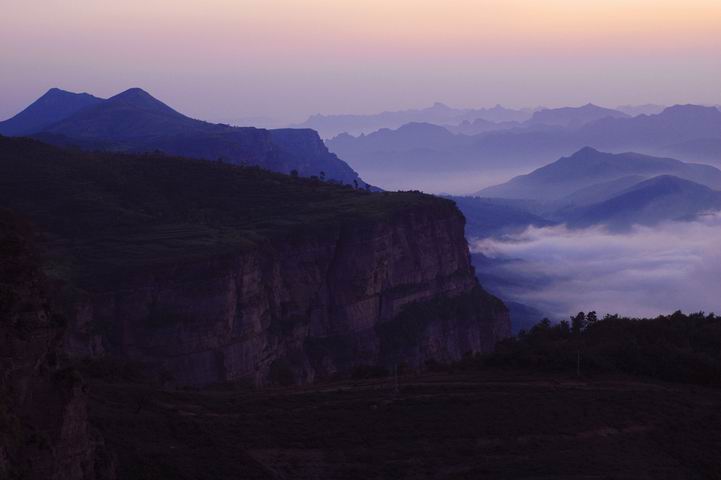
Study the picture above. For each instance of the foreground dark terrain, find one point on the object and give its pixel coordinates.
(488, 424)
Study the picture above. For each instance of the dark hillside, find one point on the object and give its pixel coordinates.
(108, 209)
(678, 348)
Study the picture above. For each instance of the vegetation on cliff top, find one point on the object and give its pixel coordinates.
(677, 348)
(105, 210)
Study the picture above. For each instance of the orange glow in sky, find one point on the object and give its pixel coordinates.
(289, 58)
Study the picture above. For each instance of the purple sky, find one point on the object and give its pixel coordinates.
(231, 59)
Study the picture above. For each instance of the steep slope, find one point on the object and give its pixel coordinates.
(213, 273)
(45, 432)
(652, 201)
(589, 167)
(573, 116)
(134, 121)
(598, 192)
(52, 107)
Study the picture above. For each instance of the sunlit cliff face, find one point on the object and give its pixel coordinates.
(293, 57)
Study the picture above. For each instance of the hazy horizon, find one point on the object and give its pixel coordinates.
(288, 59)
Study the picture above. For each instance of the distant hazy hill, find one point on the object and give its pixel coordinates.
(331, 125)
(589, 167)
(479, 126)
(675, 124)
(134, 121)
(658, 199)
(648, 109)
(50, 108)
(411, 136)
(688, 132)
(573, 116)
(649, 134)
(701, 150)
(486, 217)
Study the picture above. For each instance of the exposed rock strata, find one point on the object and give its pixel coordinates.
(400, 290)
(44, 428)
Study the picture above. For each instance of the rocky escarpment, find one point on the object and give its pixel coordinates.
(44, 428)
(400, 290)
(211, 272)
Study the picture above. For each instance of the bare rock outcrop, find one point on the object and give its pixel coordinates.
(399, 290)
(44, 427)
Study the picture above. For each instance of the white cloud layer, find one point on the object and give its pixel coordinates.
(646, 272)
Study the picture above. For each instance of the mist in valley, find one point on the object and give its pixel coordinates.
(644, 272)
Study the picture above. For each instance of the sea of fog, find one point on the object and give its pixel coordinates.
(645, 272)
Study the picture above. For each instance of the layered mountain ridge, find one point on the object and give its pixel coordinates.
(589, 167)
(134, 121)
(686, 132)
(591, 188)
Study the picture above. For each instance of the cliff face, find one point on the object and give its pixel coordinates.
(213, 273)
(399, 290)
(44, 429)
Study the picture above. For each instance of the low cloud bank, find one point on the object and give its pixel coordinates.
(646, 272)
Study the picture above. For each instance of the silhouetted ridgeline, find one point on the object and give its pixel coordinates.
(135, 122)
(213, 272)
(678, 348)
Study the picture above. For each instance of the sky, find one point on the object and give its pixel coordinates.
(286, 59)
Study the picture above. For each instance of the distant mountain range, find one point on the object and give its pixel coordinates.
(573, 116)
(479, 126)
(589, 168)
(133, 121)
(688, 132)
(331, 125)
(458, 120)
(595, 188)
(649, 202)
(648, 109)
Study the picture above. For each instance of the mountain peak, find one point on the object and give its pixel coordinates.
(139, 98)
(134, 90)
(585, 151)
(53, 106)
(440, 106)
(56, 92)
(133, 94)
